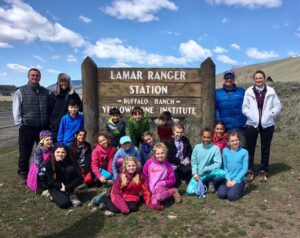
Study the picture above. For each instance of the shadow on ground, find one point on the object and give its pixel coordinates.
(88, 226)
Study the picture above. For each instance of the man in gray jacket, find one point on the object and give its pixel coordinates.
(31, 114)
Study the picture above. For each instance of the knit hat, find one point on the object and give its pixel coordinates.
(229, 74)
(63, 77)
(125, 139)
(43, 135)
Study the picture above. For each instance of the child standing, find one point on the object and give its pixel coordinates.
(206, 161)
(36, 179)
(102, 158)
(165, 123)
(127, 149)
(80, 154)
(235, 161)
(124, 196)
(62, 179)
(115, 126)
(147, 146)
(220, 137)
(179, 154)
(160, 176)
(70, 124)
(137, 124)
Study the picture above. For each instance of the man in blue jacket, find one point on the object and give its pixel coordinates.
(229, 101)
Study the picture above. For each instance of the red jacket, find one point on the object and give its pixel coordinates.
(221, 141)
(102, 158)
(130, 193)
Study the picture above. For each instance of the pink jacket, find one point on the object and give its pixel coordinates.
(158, 174)
(221, 141)
(102, 158)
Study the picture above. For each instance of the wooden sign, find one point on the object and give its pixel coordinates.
(185, 92)
(177, 90)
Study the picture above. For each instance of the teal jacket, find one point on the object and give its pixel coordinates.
(205, 158)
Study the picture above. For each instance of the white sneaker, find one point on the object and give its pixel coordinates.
(45, 193)
(108, 214)
(74, 200)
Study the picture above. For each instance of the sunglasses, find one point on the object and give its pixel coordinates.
(229, 77)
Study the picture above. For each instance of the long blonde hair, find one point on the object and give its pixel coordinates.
(136, 178)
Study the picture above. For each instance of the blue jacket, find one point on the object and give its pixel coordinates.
(68, 127)
(121, 153)
(229, 107)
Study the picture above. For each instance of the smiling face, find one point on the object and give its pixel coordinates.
(259, 80)
(73, 110)
(115, 118)
(160, 155)
(48, 142)
(149, 140)
(34, 77)
(103, 141)
(234, 142)
(219, 130)
(81, 136)
(131, 167)
(206, 137)
(60, 154)
(64, 84)
(178, 133)
(137, 116)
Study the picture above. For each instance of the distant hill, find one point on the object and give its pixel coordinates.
(76, 84)
(284, 70)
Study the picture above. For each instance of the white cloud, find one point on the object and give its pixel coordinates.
(224, 20)
(235, 46)
(121, 65)
(53, 71)
(247, 3)
(3, 74)
(193, 51)
(21, 68)
(226, 59)
(55, 57)
(5, 45)
(115, 48)
(219, 50)
(85, 19)
(174, 33)
(71, 58)
(140, 10)
(20, 22)
(17, 67)
(298, 32)
(39, 58)
(256, 54)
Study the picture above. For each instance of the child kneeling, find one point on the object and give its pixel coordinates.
(206, 163)
(160, 176)
(235, 161)
(124, 196)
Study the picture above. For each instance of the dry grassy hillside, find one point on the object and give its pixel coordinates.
(285, 70)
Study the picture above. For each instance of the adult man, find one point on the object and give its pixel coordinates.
(30, 112)
(229, 101)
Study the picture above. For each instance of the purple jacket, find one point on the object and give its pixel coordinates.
(158, 174)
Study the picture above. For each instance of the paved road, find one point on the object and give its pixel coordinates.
(8, 132)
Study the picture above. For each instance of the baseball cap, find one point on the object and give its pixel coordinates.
(125, 139)
(229, 74)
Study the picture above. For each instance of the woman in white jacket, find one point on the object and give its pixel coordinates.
(261, 105)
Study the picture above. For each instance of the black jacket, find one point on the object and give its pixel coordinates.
(172, 150)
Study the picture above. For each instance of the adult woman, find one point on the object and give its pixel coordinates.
(261, 105)
(58, 101)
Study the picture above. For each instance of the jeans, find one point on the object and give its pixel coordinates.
(233, 193)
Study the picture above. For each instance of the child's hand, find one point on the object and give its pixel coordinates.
(63, 188)
(196, 177)
(102, 179)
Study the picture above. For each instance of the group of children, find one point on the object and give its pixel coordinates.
(135, 163)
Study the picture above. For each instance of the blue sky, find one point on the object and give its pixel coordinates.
(55, 36)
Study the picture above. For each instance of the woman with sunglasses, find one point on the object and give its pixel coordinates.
(229, 101)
